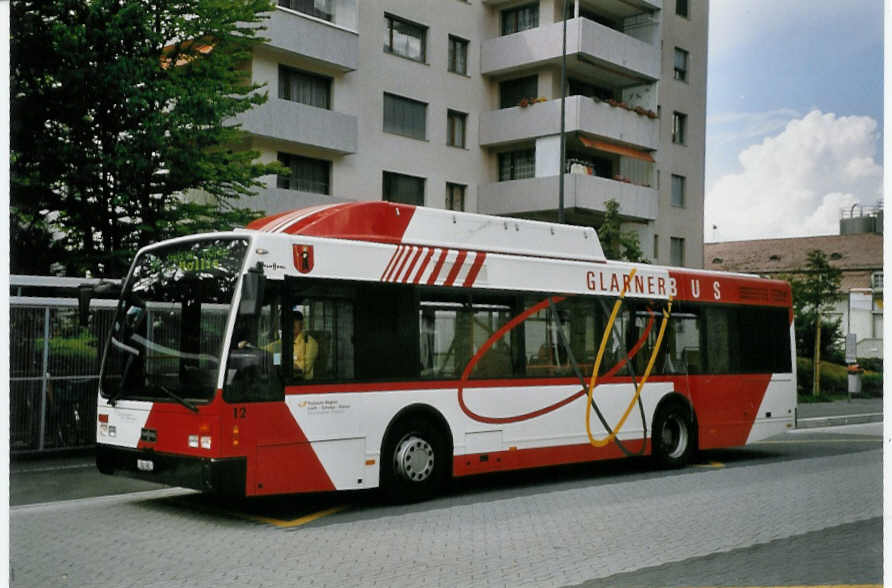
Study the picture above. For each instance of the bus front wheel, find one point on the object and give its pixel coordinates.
(673, 436)
(414, 462)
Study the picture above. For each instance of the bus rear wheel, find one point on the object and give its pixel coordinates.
(673, 436)
(413, 460)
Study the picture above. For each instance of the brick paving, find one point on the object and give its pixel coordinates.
(552, 538)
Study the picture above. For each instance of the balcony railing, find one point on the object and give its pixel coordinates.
(333, 42)
(583, 114)
(584, 192)
(625, 59)
(302, 125)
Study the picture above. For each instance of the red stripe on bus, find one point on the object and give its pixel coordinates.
(456, 267)
(475, 269)
(534, 457)
(402, 264)
(438, 267)
(412, 265)
(400, 260)
(391, 263)
(391, 266)
(427, 259)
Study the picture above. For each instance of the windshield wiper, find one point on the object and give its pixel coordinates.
(179, 399)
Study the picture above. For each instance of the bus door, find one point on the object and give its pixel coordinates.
(254, 390)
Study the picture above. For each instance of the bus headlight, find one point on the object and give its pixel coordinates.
(193, 441)
(205, 442)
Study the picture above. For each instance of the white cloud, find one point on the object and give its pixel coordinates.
(795, 183)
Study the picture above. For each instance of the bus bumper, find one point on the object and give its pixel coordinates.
(224, 476)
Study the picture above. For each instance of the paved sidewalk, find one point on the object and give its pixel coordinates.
(841, 412)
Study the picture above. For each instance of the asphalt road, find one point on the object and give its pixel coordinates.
(801, 509)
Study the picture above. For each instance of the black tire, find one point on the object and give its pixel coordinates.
(414, 460)
(673, 437)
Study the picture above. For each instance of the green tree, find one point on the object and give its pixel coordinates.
(813, 295)
(118, 109)
(616, 243)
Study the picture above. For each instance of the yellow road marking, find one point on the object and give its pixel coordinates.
(711, 464)
(299, 521)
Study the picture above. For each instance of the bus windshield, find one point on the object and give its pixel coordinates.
(170, 327)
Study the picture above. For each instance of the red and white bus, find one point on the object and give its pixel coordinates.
(370, 344)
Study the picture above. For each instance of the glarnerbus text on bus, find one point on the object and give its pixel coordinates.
(373, 344)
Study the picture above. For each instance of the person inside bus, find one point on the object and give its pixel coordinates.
(306, 349)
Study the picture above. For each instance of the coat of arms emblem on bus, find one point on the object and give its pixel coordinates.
(303, 258)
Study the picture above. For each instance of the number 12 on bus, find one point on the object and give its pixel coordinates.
(372, 344)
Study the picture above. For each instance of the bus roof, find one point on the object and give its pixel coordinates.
(403, 224)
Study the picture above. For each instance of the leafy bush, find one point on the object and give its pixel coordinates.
(72, 355)
(872, 385)
(871, 364)
(834, 378)
(834, 381)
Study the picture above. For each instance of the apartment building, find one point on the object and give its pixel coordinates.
(456, 104)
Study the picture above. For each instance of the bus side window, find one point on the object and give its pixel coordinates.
(453, 331)
(386, 342)
(722, 349)
(322, 340)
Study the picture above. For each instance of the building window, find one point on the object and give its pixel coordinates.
(403, 189)
(577, 87)
(679, 124)
(455, 196)
(404, 38)
(681, 8)
(516, 165)
(304, 174)
(455, 128)
(519, 19)
(404, 116)
(676, 251)
(678, 191)
(513, 91)
(681, 65)
(458, 55)
(319, 8)
(304, 87)
(656, 247)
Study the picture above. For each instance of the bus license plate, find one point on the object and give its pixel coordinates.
(145, 465)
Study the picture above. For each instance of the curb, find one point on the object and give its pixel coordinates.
(833, 421)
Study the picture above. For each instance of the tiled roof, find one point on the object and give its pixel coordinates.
(856, 255)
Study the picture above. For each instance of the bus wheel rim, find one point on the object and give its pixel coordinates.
(675, 437)
(414, 459)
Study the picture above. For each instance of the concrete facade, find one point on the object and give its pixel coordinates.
(619, 111)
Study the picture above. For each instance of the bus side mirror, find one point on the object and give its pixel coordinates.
(253, 285)
(84, 295)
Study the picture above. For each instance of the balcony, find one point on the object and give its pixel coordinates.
(581, 192)
(622, 60)
(332, 44)
(301, 125)
(510, 125)
(617, 8)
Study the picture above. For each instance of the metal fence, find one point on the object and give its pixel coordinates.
(54, 372)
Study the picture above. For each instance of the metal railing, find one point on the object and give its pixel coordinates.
(54, 372)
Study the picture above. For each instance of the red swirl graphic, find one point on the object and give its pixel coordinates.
(552, 407)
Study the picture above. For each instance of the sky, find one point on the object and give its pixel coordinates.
(794, 115)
